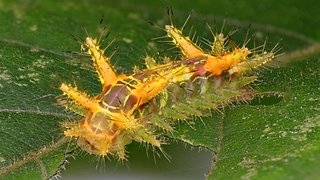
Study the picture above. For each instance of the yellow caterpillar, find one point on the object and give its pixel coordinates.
(133, 106)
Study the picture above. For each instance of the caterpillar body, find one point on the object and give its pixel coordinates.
(132, 107)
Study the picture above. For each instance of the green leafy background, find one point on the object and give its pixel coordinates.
(263, 139)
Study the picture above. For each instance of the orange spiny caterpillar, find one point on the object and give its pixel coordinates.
(123, 111)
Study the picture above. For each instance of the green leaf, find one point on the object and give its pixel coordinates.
(260, 140)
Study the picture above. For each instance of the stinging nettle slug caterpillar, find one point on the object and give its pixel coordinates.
(133, 107)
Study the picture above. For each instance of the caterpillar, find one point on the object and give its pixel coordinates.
(132, 107)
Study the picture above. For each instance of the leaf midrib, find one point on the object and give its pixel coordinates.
(32, 156)
(37, 112)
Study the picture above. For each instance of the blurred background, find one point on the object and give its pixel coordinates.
(185, 162)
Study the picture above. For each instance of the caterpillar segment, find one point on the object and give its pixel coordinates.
(218, 45)
(220, 59)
